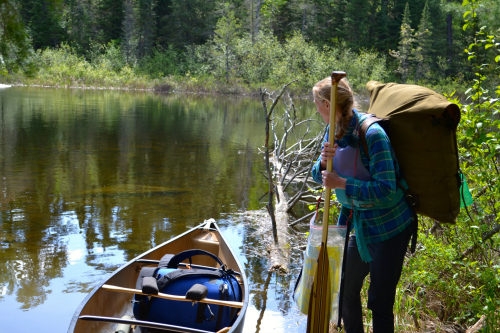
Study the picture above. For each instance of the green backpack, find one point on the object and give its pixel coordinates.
(421, 126)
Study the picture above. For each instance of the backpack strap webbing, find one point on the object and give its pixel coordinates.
(411, 199)
(370, 120)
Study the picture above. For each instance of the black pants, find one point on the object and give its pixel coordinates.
(385, 271)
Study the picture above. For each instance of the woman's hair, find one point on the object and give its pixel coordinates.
(345, 98)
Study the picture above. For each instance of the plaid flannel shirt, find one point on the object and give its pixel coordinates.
(378, 224)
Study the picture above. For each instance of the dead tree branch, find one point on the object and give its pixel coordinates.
(485, 237)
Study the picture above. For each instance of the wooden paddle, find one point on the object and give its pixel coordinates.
(318, 318)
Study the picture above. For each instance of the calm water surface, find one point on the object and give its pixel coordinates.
(91, 179)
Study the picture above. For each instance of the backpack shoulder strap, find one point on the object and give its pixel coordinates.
(180, 273)
(367, 122)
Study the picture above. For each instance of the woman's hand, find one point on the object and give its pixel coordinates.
(332, 180)
(327, 153)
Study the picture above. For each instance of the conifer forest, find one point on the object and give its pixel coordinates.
(452, 282)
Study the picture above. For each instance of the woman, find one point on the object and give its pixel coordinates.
(367, 188)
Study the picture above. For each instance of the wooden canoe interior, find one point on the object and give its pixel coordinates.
(114, 304)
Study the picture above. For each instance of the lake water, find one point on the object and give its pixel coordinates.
(89, 179)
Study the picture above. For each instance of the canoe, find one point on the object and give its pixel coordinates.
(109, 303)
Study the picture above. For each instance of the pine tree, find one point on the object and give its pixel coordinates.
(382, 43)
(191, 22)
(43, 19)
(423, 52)
(395, 14)
(286, 19)
(162, 10)
(80, 24)
(405, 45)
(144, 27)
(439, 56)
(14, 42)
(338, 21)
(128, 24)
(357, 18)
(251, 17)
(109, 18)
(226, 30)
(323, 21)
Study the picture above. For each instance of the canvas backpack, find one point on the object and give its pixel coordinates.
(421, 126)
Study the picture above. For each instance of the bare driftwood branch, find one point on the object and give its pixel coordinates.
(296, 198)
(477, 326)
(269, 206)
(302, 219)
(298, 173)
(279, 251)
(289, 160)
(312, 163)
(296, 156)
(484, 189)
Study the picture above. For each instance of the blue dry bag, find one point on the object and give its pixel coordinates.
(221, 285)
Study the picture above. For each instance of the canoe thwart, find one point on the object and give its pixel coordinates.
(156, 262)
(143, 323)
(172, 297)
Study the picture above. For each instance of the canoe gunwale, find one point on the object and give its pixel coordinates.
(143, 323)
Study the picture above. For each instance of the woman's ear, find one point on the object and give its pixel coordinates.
(327, 104)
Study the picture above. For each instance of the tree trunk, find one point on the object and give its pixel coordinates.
(279, 255)
(257, 17)
(304, 20)
(449, 37)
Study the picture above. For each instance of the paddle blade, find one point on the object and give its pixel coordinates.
(318, 318)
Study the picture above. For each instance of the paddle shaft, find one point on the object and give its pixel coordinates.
(320, 302)
(172, 297)
(331, 140)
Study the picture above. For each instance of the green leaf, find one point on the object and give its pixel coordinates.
(466, 13)
(497, 58)
(465, 26)
(465, 2)
(487, 46)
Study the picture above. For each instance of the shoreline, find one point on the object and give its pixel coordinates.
(181, 88)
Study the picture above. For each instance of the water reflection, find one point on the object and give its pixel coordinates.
(91, 179)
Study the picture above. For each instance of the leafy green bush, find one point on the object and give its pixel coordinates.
(457, 269)
(162, 63)
(63, 67)
(256, 62)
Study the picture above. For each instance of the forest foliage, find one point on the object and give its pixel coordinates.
(147, 43)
